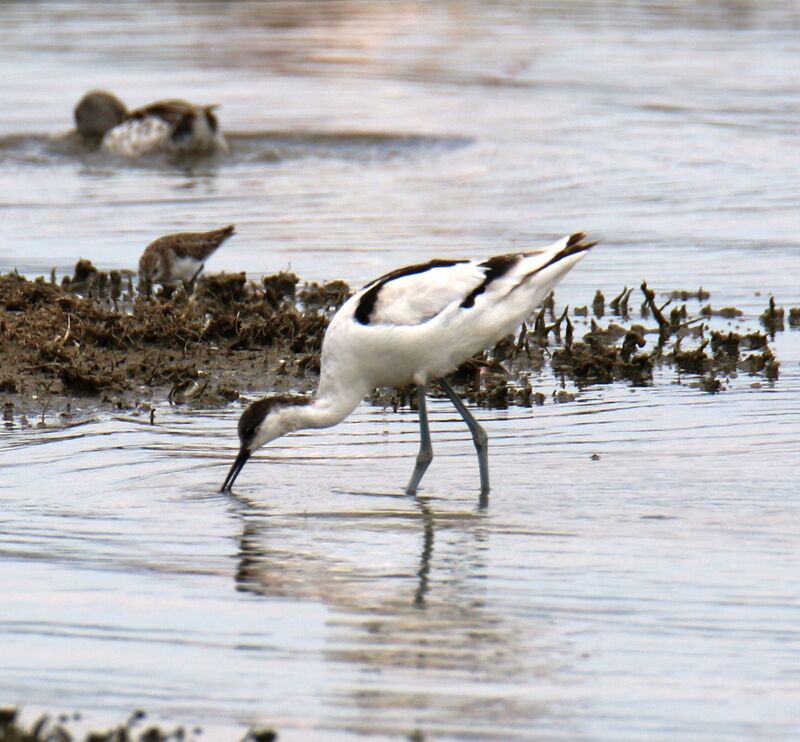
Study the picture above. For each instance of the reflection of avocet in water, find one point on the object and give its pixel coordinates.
(415, 324)
(165, 126)
(408, 634)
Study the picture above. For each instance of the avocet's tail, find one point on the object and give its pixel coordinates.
(513, 287)
(545, 267)
(575, 243)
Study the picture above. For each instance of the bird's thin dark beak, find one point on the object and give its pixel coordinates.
(238, 465)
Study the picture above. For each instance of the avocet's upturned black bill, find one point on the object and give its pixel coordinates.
(414, 325)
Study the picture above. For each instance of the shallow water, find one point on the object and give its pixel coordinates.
(649, 594)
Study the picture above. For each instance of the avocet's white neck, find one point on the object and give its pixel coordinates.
(331, 404)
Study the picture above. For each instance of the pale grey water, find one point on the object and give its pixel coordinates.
(652, 594)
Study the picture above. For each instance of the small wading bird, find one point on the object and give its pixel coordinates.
(178, 257)
(416, 324)
(166, 126)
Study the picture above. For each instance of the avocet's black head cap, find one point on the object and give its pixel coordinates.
(257, 427)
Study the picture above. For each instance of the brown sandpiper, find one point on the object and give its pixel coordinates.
(179, 257)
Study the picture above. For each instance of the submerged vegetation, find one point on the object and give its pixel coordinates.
(91, 338)
(45, 729)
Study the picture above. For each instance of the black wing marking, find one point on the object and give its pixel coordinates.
(575, 244)
(366, 305)
(495, 268)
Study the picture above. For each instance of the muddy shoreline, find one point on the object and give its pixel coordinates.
(91, 342)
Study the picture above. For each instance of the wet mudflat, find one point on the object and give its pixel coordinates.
(93, 343)
(634, 575)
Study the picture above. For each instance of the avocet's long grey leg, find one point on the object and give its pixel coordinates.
(425, 454)
(479, 436)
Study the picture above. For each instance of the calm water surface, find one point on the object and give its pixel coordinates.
(650, 594)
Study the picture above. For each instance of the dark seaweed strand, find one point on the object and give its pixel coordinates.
(366, 305)
(256, 412)
(495, 268)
